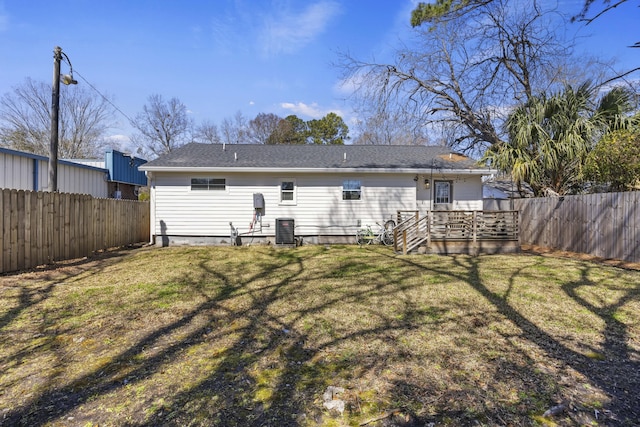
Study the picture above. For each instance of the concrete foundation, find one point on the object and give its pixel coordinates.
(443, 247)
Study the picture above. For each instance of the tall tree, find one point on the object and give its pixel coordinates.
(615, 161)
(25, 120)
(463, 73)
(443, 10)
(550, 137)
(262, 127)
(390, 128)
(234, 130)
(291, 130)
(207, 133)
(163, 125)
(330, 129)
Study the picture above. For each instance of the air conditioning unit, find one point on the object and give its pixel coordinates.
(285, 234)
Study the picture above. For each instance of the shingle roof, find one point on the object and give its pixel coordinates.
(241, 156)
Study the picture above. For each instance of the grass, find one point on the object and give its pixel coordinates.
(247, 336)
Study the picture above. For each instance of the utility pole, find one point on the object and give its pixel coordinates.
(55, 110)
(55, 113)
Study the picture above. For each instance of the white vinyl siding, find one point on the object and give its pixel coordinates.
(319, 207)
(467, 193)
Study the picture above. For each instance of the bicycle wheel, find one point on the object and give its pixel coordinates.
(360, 240)
(389, 226)
(387, 238)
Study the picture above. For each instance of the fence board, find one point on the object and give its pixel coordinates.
(2, 231)
(27, 229)
(605, 224)
(38, 228)
(13, 226)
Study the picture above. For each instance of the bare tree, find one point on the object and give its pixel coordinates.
(389, 128)
(207, 133)
(162, 126)
(234, 130)
(464, 75)
(262, 127)
(25, 120)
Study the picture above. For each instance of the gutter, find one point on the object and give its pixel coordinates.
(478, 171)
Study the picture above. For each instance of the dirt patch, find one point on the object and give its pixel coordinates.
(539, 250)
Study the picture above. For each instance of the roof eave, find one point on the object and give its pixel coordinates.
(472, 171)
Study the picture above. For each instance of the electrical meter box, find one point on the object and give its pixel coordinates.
(258, 201)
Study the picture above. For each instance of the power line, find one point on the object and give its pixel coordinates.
(105, 98)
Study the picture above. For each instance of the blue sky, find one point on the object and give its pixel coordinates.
(223, 56)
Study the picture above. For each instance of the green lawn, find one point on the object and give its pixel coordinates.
(253, 336)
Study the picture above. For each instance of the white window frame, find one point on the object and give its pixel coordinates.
(210, 186)
(293, 192)
(443, 184)
(359, 189)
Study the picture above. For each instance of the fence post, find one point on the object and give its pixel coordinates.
(474, 227)
(404, 242)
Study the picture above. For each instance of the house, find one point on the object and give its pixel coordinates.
(216, 194)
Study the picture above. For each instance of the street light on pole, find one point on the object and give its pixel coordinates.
(55, 113)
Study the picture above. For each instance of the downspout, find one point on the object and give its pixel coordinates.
(152, 208)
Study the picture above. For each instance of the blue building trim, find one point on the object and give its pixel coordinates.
(38, 157)
(123, 168)
(35, 175)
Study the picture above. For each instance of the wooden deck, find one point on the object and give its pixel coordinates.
(448, 232)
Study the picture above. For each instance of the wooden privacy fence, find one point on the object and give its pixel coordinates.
(38, 228)
(605, 225)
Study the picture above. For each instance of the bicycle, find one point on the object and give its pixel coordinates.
(384, 235)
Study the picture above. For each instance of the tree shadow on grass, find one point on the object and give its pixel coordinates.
(56, 274)
(615, 366)
(275, 373)
(263, 368)
(29, 292)
(540, 388)
(617, 376)
(233, 393)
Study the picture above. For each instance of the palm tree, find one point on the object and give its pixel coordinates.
(551, 136)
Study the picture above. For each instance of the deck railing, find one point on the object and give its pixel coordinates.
(414, 230)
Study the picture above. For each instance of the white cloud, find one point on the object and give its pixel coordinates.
(288, 32)
(312, 110)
